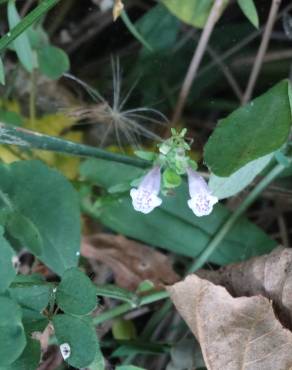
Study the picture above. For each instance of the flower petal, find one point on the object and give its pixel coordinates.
(144, 201)
(202, 203)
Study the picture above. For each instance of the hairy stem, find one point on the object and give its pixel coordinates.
(30, 139)
(262, 51)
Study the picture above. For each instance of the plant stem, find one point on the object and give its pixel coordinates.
(30, 139)
(26, 22)
(32, 95)
(125, 307)
(197, 58)
(262, 51)
(227, 226)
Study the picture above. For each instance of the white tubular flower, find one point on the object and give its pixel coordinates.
(145, 198)
(202, 201)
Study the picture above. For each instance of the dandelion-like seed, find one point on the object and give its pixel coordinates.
(126, 125)
(145, 198)
(202, 200)
(65, 350)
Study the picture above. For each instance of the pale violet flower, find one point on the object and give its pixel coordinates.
(202, 201)
(145, 198)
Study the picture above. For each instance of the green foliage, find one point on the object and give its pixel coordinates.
(80, 334)
(51, 205)
(250, 132)
(7, 270)
(25, 231)
(53, 61)
(123, 329)
(129, 367)
(76, 293)
(225, 187)
(31, 292)
(193, 12)
(171, 179)
(249, 9)
(12, 337)
(159, 28)
(2, 72)
(160, 227)
(21, 43)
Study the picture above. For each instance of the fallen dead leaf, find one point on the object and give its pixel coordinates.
(269, 275)
(130, 261)
(234, 333)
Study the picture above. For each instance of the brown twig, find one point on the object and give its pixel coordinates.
(262, 51)
(196, 60)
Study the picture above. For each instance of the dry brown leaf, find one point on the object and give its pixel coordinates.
(234, 333)
(130, 261)
(269, 275)
(117, 9)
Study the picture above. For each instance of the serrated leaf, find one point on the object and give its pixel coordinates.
(21, 43)
(7, 270)
(48, 200)
(250, 11)
(26, 232)
(193, 12)
(250, 132)
(80, 334)
(224, 187)
(53, 61)
(76, 294)
(12, 337)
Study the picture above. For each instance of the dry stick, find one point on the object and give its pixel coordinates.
(198, 55)
(262, 51)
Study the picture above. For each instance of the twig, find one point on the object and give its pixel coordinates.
(262, 51)
(196, 60)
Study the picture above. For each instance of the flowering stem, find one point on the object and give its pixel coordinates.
(227, 226)
(30, 139)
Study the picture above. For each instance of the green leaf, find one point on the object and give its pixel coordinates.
(159, 28)
(76, 294)
(12, 337)
(10, 117)
(53, 62)
(148, 156)
(250, 132)
(21, 43)
(31, 292)
(29, 359)
(2, 72)
(171, 179)
(98, 363)
(7, 270)
(25, 231)
(48, 200)
(173, 226)
(250, 11)
(224, 187)
(115, 292)
(193, 12)
(80, 334)
(123, 329)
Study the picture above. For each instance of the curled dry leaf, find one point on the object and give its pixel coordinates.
(234, 333)
(130, 261)
(269, 275)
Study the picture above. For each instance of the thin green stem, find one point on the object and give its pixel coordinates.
(26, 22)
(131, 27)
(125, 307)
(32, 96)
(35, 140)
(229, 223)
